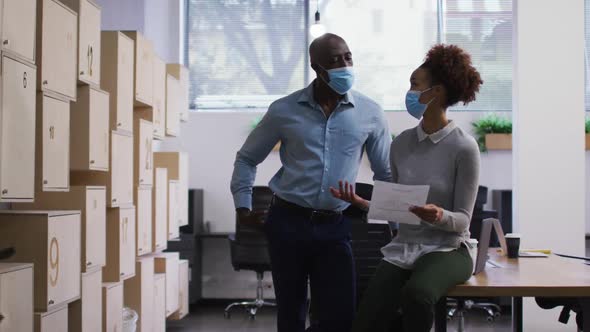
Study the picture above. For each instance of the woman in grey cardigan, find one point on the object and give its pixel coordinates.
(424, 261)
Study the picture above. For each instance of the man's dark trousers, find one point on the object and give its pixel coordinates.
(317, 248)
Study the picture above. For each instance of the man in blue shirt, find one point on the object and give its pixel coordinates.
(323, 130)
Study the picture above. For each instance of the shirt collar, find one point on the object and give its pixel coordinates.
(306, 96)
(437, 136)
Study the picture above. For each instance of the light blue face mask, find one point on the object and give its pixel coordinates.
(341, 79)
(413, 104)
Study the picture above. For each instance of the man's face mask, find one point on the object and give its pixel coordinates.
(341, 79)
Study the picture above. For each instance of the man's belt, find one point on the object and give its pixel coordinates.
(314, 214)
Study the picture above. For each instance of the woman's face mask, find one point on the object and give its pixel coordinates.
(413, 104)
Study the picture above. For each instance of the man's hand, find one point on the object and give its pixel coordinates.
(249, 218)
(346, 193)
(429, 213)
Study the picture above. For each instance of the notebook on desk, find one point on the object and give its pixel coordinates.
(484, 242)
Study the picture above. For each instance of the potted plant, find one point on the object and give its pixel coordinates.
(253, 125)
(588, 133)
(493, 132)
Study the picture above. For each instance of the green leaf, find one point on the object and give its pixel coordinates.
(490, 124)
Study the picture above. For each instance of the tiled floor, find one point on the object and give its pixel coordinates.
(210, 318)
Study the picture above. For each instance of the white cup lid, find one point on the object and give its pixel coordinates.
(512, 235)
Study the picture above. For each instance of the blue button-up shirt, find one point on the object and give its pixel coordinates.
(316, 151)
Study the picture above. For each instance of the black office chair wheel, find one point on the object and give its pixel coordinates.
(490, 319)
(227, 315)
(497, 314)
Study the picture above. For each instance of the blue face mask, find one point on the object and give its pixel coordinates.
(341, 79)
(413, 104)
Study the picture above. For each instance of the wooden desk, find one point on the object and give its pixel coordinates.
(524, 277)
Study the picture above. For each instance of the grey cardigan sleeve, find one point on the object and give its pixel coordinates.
(466, 186)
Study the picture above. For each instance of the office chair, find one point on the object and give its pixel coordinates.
(459, 306)
(249, 251)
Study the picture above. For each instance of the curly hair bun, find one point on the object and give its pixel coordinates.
(451, 66)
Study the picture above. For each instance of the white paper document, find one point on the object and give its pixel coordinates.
(391, 202)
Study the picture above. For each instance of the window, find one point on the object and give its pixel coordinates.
(388, 40)
(484, 29)
(247, 53)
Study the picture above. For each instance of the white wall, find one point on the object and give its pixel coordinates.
(162, 27)
(549, 157)
(122, 15)
(549, 169)
(160, 21)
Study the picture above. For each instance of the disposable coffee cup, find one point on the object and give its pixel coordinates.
(472, 243)
(513, 244)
